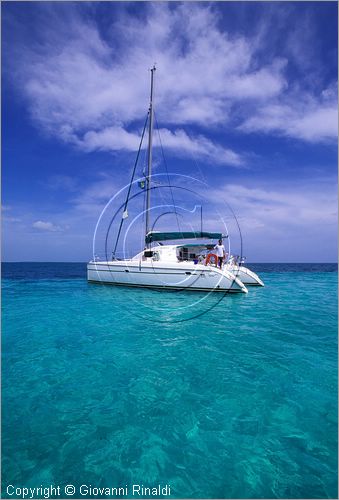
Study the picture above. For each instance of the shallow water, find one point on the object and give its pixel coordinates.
(109, 386)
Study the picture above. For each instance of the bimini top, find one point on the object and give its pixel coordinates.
(154, 236)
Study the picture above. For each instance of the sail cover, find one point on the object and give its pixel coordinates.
(150, 237)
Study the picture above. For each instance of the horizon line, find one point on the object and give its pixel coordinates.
(86, 262)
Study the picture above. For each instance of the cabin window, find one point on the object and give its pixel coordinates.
(185, 253)
(148, 253)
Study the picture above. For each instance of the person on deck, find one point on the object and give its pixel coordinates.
(221, 253)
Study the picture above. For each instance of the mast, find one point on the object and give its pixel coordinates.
(149, 157)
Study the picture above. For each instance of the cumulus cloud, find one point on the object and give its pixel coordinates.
(200, 146)
(306, 118)
(91, 89)
(178, 141)
(46, 226)
(278, 210)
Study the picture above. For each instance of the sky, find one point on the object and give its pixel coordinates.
(246, 125)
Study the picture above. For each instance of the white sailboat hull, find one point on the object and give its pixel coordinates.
(160, 275)
(245, 275)
(176, 267)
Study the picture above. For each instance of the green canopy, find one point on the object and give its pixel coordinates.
(150, 237)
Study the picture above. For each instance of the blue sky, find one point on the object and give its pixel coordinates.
(246, 99)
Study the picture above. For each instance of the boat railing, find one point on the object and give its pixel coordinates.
(117, 256)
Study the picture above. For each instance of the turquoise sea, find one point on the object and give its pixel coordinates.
(110, 386)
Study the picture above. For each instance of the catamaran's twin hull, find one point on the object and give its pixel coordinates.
(245, 275)
(175, 277)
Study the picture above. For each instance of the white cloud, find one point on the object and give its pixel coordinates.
(93, 93)
(320, 123)
(265, 83)
(181, 143)
(304, 119)
(117, 139)
(279, 210)
(109, 139)
(90, 91)
(46, 226)
(289, 222)
(11, 219)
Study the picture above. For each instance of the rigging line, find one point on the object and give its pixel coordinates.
(169, 182)
(144, 164)
(130, 185)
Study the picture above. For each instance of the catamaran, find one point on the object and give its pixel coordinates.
(189, 264)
